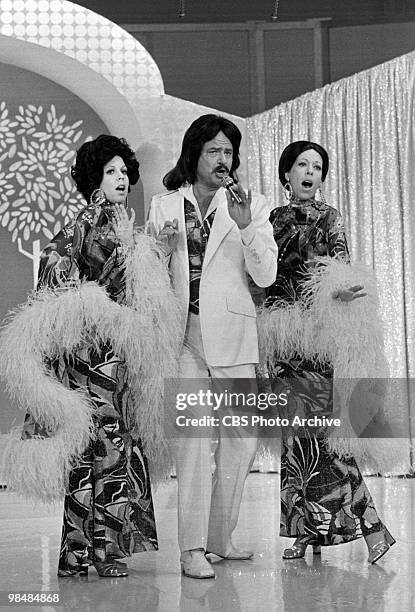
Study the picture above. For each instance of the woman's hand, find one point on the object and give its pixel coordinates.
(350, 294)
(168, 237)
(123, 224)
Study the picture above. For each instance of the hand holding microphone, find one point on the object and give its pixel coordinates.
(229, 184)
(239, 204)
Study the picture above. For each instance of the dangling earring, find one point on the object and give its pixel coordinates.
(288, 191)
(321, 194)
(97, 198)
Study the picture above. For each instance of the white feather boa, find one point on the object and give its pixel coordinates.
(348, 336)
(55, 323)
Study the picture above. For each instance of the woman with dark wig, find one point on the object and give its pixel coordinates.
(99, 337)
(308, 329)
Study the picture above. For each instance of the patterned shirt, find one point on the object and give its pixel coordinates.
(302, 233)
(197, 234)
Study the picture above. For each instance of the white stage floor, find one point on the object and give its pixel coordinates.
(340, 580)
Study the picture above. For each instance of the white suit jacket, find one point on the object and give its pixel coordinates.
(226, 310)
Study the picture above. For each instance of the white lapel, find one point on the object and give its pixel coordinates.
(174, 209)
(222, 225)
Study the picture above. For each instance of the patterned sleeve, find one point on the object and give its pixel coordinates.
(59, 259)
(87, 249)
(336, 237)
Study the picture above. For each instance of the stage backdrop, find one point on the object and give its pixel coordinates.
(367, 124)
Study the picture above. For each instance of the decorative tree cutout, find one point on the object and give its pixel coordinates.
(37, 197)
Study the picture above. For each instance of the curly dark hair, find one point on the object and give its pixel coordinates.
(202, 130)
(92, 156)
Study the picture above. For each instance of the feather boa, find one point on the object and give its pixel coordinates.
(348, 336)
(150, 296)
(57, 323)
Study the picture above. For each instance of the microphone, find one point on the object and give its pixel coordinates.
(228, 183)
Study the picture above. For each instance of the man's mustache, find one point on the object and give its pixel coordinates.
(222, 167)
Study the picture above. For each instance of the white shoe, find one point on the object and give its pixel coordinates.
(195, 565)
(234, 554)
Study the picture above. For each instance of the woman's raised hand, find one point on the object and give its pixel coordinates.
(168, 237)
(123, 224)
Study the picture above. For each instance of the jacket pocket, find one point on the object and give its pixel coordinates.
(241, 305)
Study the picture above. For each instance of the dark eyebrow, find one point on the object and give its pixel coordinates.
(217, 147)
(306, 160)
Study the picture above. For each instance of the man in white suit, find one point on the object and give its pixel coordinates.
(214, 242)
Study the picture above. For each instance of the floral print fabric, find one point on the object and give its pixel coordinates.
(197, 234)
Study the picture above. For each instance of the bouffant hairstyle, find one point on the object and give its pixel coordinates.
(92, 156)
(202, 130)
(290, 154)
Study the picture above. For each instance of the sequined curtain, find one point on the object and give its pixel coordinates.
(367, 124)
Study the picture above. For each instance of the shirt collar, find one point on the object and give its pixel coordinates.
(187, 192)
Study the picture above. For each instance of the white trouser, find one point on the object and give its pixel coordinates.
(208, 508)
